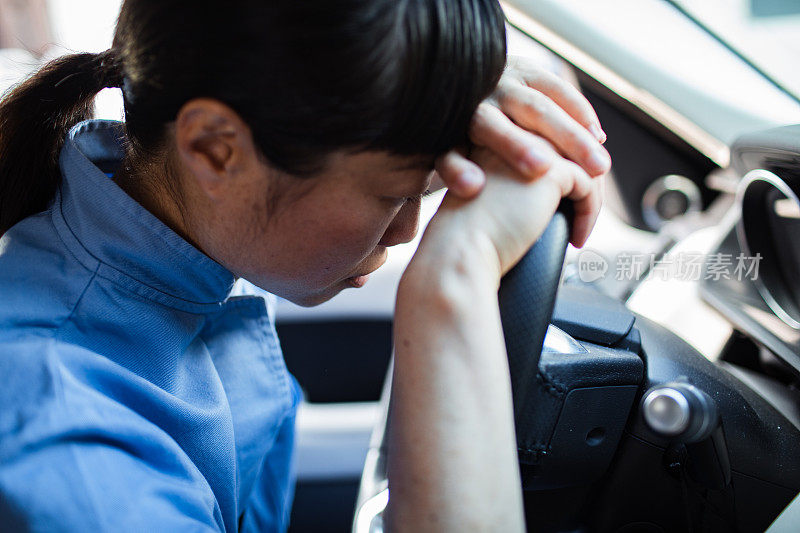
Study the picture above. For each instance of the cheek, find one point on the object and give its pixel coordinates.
(345, 243)
(319, 245)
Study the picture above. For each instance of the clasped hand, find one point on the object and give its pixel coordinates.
(542, 129)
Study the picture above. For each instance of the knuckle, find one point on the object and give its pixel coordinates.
(484, 111)
(507, 83)
(483, 120)
(509, 139)
(557, 86)
(537, 104)
(553, 82)
(583, 148)
(521, 150)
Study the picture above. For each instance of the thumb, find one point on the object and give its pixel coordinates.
(462, 177)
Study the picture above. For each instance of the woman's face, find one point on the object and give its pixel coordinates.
(306, 239)
(302, 238)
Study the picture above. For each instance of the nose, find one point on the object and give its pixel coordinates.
(404, 225)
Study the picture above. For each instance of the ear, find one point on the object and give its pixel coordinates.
(214, 145)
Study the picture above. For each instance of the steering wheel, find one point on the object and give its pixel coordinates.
(527, 296)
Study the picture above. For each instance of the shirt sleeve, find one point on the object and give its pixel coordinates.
(81, 483)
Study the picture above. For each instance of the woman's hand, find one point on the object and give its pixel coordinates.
(532, 117)
(511, 213)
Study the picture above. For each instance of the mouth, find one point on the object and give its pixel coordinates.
(359, 280)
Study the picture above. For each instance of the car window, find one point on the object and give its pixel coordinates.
(765, 32)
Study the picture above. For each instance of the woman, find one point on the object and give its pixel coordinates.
(287, 143)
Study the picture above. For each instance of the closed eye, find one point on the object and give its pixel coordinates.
(419, 197)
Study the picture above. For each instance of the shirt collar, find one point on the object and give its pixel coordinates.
(116, 231)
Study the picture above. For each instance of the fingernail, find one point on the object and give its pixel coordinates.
(600, 160)
(598, 133)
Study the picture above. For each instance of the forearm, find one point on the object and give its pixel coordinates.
(452, 453)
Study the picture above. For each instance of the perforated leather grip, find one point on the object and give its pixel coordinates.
(526, 297)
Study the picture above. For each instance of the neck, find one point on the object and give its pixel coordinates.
(151, 188)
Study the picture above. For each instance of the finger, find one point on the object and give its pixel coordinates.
(564, 94)
(529, 154)
(461, 176)
(586, 212)
(584, 192)
(536, 112)
(587, 200)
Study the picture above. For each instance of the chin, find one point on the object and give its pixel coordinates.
(314, 299)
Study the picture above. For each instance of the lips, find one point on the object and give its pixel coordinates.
(359, 280)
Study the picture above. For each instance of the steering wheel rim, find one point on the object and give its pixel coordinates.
(526, 298)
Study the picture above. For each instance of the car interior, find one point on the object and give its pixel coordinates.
(644, 401)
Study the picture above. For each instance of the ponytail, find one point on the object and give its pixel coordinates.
(35, 118)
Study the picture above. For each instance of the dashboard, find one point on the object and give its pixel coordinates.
(762, 299)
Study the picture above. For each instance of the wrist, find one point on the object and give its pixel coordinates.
(452, 265)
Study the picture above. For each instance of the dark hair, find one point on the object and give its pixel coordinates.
(308, 76)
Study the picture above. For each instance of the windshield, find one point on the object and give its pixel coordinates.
(764, 32)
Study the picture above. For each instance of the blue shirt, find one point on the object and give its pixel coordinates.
(136, 394)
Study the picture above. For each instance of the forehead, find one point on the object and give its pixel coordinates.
(381, 170)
